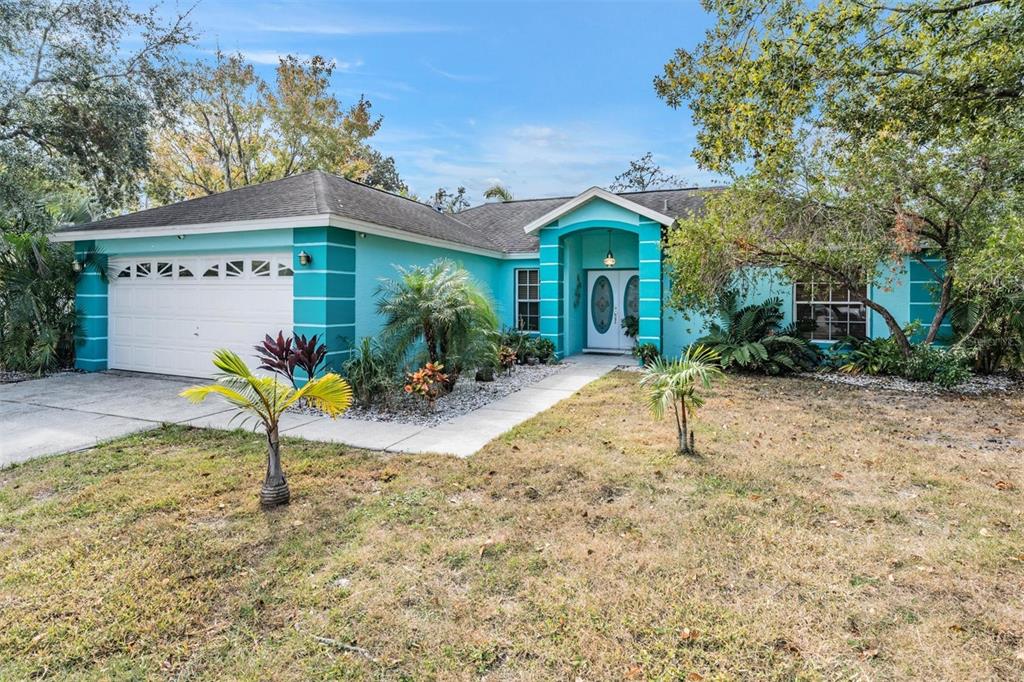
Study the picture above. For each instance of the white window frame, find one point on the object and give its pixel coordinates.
(817, 301)
(518, 300)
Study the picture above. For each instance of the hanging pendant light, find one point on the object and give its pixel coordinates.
(609, 260)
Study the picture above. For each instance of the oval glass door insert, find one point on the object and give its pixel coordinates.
(601, 304)
(631, 297)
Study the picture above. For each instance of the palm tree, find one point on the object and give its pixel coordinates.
(676, 382)
(265, 399)
(442, 306)
(499, 192)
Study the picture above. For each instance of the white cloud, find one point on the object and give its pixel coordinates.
(273, 57)
(531, 159)
(355, 27)
(457, 77)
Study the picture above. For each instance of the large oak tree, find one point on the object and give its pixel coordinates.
(80, 81)
(856, 133)
(237, 129)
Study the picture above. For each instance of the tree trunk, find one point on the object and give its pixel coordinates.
(944, 299)
(894, 327)
(275, 487)
(685, 439)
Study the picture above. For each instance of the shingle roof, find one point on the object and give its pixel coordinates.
(493, 226)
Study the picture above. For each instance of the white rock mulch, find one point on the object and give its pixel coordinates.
(467, 396)
(977, 385)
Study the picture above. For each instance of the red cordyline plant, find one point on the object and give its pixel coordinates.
(427, 382)
(284, 354)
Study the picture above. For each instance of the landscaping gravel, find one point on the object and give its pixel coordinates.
(977, 385)
(13, 377)
(467, 396)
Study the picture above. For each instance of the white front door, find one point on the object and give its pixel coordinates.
(612, 295)
(167, 314)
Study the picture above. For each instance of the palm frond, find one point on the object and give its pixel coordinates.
(330, 394)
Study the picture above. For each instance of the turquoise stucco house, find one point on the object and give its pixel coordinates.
(163, 287)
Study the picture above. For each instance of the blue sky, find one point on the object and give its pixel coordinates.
(547, 98)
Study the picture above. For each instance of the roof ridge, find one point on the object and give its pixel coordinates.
(319, 191)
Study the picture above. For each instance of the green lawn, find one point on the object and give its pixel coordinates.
(823, 532)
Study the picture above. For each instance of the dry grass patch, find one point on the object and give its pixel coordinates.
(823, 532)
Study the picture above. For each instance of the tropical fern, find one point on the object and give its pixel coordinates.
(753, 339)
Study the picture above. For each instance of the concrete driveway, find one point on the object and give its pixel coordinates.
(68, 412)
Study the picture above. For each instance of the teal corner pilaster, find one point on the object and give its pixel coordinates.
(552, 306)
(324, 291)
(91, 309)
(650, 283)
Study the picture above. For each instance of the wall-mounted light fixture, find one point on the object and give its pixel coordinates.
(181, 236)
(305, 258)
(362, 235)
(76, 265)
(609, 259)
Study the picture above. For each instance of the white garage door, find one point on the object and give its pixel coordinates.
(168, 314)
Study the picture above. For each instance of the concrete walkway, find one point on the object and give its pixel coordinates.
(69, 412)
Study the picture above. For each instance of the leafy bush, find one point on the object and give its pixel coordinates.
(647, 352)
(752, 339)
(37, 303)
(873, 357)
(943, 367)
(991, 331)
(286, 353)
(507, 358)
(372, 372)
(428, 381)
(883, 357)
(544, 349)
(442, 307)
(520, 342)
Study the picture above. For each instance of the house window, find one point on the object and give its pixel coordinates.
(528, 300)
(830, 313)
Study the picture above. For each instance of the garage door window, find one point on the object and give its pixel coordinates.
(186, 269)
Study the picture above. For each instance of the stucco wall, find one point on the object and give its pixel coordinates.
(377, 256)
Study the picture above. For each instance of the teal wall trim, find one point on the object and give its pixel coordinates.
(650, 287)
(91, 309)
(324, 291)
(552, 312)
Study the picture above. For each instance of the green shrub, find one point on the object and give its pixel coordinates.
(752, 339)
(373, 372)
(37, 304)
(941, 366)
(520, 342)
(646, 352)
(545, 350)
(881, 356)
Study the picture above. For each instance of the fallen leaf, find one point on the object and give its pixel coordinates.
(1003, 485)
(694, 677)
(687, 634)
(634, 673)
(838, 475)
(984, 533)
